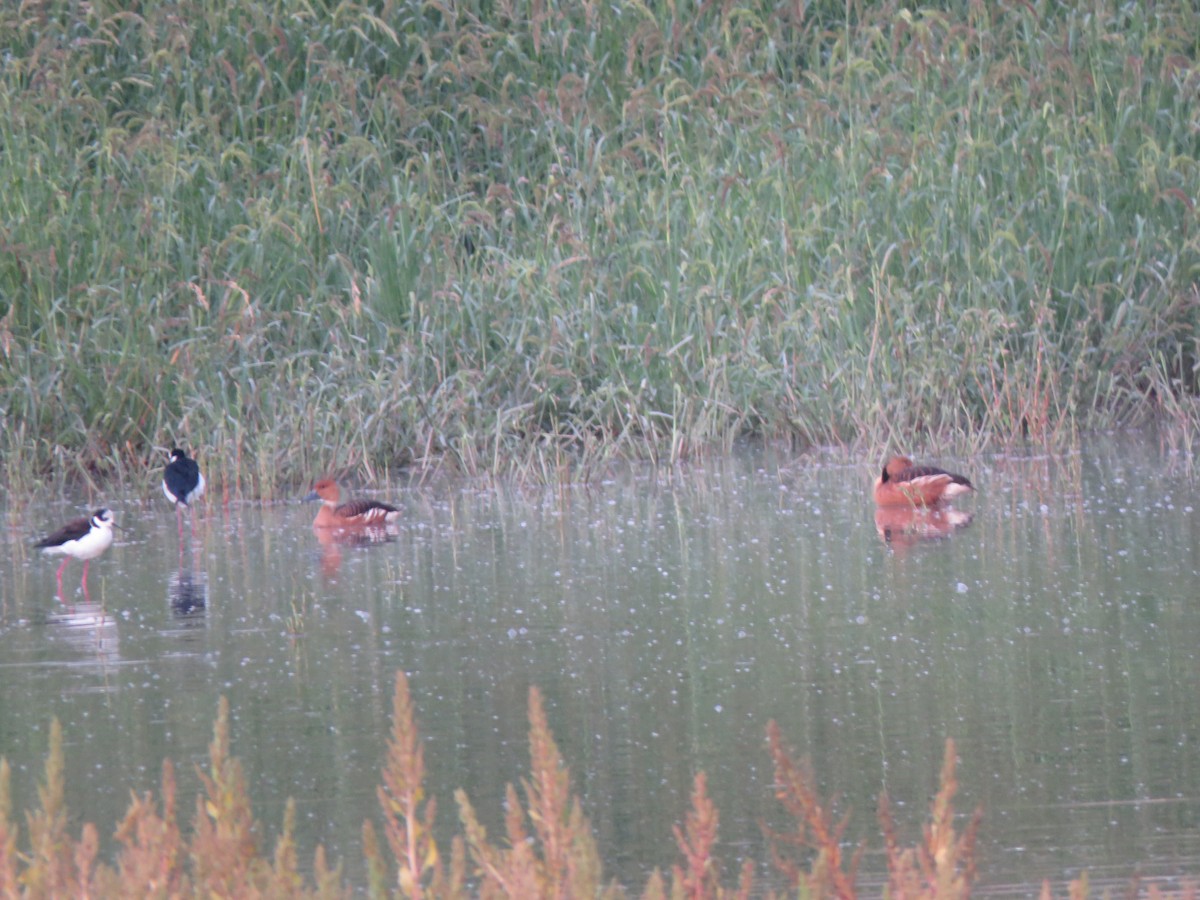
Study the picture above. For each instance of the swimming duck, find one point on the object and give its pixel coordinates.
(352, 513)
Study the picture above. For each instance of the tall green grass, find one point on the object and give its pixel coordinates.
(530, 238)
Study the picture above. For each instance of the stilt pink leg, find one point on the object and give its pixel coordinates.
(58, 577)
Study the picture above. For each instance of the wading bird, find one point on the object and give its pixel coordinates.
(182, 484)
(83, 539)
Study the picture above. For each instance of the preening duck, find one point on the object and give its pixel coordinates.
(901, 483)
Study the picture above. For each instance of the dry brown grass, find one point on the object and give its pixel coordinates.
(547, 851)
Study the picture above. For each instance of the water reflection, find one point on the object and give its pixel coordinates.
(89, 632)
(334, 540)
(666, 619)
(902, 527)
(187, 594)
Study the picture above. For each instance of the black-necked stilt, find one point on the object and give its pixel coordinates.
(182, 481)
(351, 514)
(83, 539)
(182, 484)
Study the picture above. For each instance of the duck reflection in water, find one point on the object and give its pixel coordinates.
(907, 526)
(912, 502)
(354, 523)
(332, 540)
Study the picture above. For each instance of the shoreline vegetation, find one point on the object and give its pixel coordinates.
(530, 240)
(547, 850)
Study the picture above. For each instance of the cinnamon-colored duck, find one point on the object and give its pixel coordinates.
(352, 513)
(904, 484)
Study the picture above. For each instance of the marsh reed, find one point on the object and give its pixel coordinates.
(528, 239)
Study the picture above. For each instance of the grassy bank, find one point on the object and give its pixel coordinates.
(527, 237)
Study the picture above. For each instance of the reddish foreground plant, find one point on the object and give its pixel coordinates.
(548, 850)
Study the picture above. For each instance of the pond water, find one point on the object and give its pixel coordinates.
(666, 620)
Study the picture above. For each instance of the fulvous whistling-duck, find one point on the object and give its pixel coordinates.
(83, 539)
(352, 513)
(903, 484)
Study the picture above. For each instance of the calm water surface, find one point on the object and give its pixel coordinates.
(666, 620)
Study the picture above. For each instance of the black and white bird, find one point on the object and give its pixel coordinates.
(182, 484)
(182, 481)
(83, 539)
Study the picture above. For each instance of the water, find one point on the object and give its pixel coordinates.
(666, 621)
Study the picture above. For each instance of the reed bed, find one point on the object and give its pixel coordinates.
(547, 851)
(529, 239)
